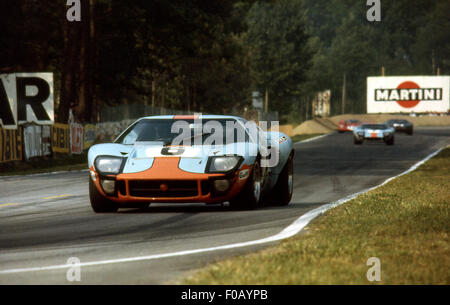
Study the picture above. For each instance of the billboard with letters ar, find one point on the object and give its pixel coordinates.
(26, 98)
(409, 94)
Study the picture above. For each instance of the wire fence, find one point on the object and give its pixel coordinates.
(32, 140)
(125, 112)
(135, 111)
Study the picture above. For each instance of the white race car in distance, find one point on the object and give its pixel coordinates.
(373, 132)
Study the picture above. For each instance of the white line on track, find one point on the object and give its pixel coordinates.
(56, 196)
(289, 231)
(43, 174)
(8, 204)
(313, 139)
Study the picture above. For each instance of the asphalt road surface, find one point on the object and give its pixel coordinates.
(47, 219)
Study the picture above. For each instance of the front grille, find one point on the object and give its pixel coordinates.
(121, 187)
(152, 188)
(206, 187)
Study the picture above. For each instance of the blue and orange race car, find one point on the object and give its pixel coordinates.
(201, 158)
(373, 132)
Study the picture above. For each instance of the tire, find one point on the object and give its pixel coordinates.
(283, 189)
(250, 196)
(390, 142)
(99, 203)
(356, 141)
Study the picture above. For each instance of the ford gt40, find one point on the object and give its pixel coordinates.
(185, 159)
(373, 132)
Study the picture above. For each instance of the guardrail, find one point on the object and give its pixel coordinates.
(11, 145)
(31, 140)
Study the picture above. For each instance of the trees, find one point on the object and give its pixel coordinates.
(202, 55)
(431, 48)
(278, 50)
(180, 54)
(350, 56)
(412, 38)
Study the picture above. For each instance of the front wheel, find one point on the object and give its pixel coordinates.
(282, 192)
(99, 203)
(250, 197)
(390, 142)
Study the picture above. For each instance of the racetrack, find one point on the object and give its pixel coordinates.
(46, 219)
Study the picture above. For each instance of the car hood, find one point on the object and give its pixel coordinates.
(140, 157)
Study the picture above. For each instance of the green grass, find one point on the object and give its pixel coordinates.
(302, 137)
(404, 223)
(59, 162)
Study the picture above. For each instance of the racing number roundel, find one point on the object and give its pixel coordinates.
(408, 85)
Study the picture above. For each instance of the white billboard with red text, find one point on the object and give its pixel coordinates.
(409, 94)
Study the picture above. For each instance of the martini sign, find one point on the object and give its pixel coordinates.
(418, 94)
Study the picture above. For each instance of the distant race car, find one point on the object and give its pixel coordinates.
(401, 125)
(348, 125)
(209, 159)
(373, 132)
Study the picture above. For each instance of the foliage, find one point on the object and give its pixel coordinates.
(279, 53)
(412, 38)
(209, 56)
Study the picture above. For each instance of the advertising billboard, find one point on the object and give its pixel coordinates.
(26, 98)
(408, 94)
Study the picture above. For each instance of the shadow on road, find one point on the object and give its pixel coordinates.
(210, 208)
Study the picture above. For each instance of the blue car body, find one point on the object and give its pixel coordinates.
(373, 132)
(143, 164)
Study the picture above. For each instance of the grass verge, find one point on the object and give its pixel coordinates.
(59, 162)
(405, 224)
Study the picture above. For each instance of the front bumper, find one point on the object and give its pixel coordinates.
(374, 137)
(403, 128)
(165, 182)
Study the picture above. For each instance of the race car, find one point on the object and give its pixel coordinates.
(373, 132)
(401, 125)
(348, 125)
(185, 159)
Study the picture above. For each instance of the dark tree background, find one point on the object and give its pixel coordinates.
(204, 55)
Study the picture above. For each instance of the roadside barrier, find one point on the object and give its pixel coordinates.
(32, 140)
(60, 138)
(11, 144)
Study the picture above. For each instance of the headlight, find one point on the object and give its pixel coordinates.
(223, 163)
(108, 164)
(108, 186)
(221, 186)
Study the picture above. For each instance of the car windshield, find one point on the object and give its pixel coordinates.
(374, 126)
(181, 132)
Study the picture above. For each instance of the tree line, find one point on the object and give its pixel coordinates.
(209, 56)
